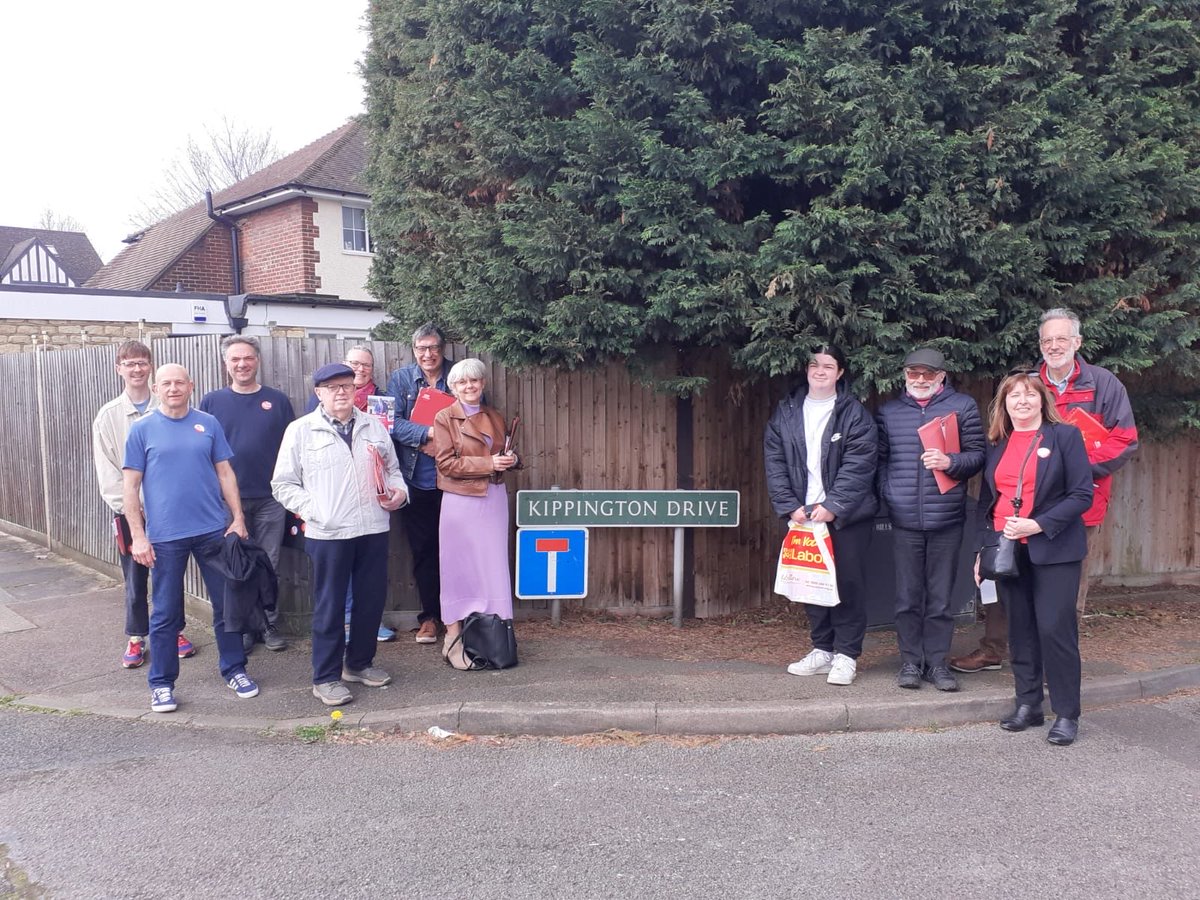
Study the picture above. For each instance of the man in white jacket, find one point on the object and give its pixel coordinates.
(337, 470)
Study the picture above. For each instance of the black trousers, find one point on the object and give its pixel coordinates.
(1043, 632)
(420, 517)
(357, 564)
(926, 565)
(840, 629)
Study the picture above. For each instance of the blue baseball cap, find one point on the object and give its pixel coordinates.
(330, 371)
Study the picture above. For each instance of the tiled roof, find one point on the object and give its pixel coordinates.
(141, 263)
(333, 163)
(74, 251)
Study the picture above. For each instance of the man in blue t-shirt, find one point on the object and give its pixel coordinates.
(254, 418)
(179, 459)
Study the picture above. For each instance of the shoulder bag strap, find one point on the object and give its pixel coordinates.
(1033, 444)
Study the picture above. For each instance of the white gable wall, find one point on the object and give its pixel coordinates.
(343, 273)
(37, 266)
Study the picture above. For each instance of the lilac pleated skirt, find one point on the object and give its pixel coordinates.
(473, 538)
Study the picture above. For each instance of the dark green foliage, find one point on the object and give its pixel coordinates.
(566, 181)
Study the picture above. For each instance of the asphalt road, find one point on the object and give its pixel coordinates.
(95, 807)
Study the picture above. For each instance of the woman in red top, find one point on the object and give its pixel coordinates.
(1031, 445)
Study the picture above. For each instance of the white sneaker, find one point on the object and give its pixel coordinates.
(843, 669)
(816, 663)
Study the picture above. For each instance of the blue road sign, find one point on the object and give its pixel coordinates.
(552, 563)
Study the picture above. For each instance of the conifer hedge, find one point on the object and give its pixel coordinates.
(563, 182)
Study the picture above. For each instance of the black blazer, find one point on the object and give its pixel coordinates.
(1062, 495)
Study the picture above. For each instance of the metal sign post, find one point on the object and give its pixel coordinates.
(539, 511)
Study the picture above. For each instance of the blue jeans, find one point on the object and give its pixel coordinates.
(166, 619)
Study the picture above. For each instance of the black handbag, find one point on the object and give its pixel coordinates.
(489, 642)
(998, 555)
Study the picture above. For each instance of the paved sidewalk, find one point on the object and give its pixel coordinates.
(61, 640)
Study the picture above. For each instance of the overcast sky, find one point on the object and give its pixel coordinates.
(100, 96)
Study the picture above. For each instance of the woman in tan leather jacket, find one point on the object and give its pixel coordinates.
(469, 439)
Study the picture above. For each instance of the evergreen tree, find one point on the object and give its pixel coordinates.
(567, 181)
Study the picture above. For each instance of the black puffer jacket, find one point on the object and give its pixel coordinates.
(905, 485)
(849, 449)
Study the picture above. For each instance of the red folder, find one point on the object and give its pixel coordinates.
(941, 434)
(430, 402)
(1093, 430)
(379, 469)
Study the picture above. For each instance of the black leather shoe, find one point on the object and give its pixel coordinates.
(1063, 732)
(1024, 716)
(909, 676)
(941, 678)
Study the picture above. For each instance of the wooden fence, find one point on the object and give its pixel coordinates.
(596, 430)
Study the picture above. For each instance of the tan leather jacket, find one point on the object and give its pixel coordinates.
(464, 462)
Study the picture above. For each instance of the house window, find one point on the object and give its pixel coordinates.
(354, 230)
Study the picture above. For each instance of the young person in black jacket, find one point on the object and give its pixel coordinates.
(820, 449)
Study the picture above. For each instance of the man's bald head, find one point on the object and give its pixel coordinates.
(175, 370)
(173, 386)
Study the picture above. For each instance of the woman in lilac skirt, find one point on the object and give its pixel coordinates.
(473, 527)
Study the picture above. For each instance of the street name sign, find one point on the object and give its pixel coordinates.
(629, 509)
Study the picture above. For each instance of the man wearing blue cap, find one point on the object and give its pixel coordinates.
(337, 470)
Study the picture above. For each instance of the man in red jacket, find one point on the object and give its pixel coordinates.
(1076, 385)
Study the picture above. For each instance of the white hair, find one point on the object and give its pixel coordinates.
(464, 369)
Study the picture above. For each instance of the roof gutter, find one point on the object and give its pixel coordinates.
(289, 192)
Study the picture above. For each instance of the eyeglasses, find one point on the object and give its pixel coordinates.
(338, 388)
(427, 349)
(360, 365)
(135, 364)
(921, 375)
(1054, 341)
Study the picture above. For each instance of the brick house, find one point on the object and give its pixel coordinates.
(297, 228)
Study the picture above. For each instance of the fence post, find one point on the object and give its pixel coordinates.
(43, 448)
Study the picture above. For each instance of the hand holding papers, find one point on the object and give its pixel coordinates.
(1093, 430)
(941, 434)
(430, 402)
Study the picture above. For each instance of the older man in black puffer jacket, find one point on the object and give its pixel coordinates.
(927, 523)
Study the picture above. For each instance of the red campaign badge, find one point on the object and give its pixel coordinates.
(199, 427)
(266, 404)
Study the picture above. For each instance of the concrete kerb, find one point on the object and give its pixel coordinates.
(1167, 681)
(664, 718)
(710, 718)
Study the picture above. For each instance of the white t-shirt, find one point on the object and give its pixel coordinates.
(817, 414)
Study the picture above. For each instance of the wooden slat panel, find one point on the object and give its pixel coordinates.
(590, 429)
(21, 484)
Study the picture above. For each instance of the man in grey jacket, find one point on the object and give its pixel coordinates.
(337, 470)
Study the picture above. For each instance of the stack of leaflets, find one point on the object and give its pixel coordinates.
(383, 408)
